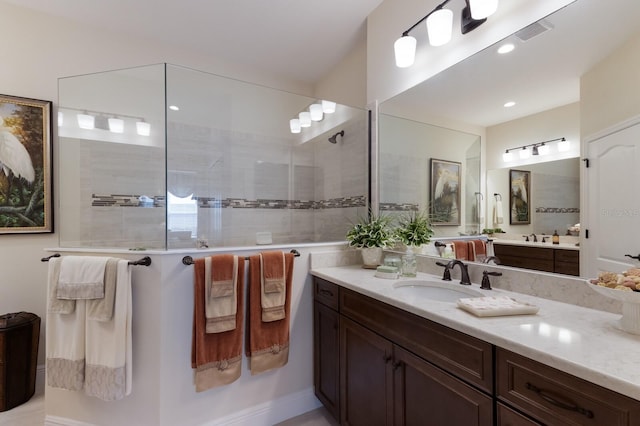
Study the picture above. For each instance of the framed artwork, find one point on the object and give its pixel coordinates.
(519, 194)
(25, 166)
(445, 192)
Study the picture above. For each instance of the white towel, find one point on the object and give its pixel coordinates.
(498, 217)
(108, 345)
(81, 277)
(65, 333)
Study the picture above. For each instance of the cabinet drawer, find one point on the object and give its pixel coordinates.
(554, 397)
(524, 251)
(567, 255)
(509, 417)
(325, 293)
(465, 357)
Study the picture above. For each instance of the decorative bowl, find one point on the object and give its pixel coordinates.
(630, 320)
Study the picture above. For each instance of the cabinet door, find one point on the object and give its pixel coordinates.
(326, 357)
(508, 417)
(427, 396)
(365, 376)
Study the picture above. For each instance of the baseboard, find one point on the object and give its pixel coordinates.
(271, 412)
(62, 421)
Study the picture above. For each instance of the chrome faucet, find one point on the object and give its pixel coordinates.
(464, 271)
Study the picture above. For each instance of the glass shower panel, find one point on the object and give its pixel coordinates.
(112, 159)
(245, 177)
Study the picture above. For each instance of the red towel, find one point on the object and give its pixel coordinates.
(461, 249)
(267, 343)
(216, 357)
(477, 250)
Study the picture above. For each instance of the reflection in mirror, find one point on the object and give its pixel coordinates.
(406, 181)
(543, 76)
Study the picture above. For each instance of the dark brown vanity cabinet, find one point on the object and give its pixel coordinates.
(549, 259)
(388, 378)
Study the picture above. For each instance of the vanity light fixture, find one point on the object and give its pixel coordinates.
(315, 112)
(439, 27)
(115, 123)
(60, 118)
(143, 128)
(538, 148)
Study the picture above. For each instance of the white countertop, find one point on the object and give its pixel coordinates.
(584, 342)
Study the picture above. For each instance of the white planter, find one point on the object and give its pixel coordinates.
(371, 257)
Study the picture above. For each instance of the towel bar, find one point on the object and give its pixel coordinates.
(145, 261)
(188, 260)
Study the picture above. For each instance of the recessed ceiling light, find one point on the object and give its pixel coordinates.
(509, 104)
(506, 48)
(174, 108)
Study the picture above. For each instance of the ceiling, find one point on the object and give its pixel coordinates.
(301, 40)
(540, 74)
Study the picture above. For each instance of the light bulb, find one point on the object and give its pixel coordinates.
(507, 156)
(439, 25)
(481, 9)
(116, 125)
(86, 121)
(543, 149)
(405, 51)
(315, 110)
(294, 125)
(143, 128)
(524, 153)
(305, 119)
(564, 145)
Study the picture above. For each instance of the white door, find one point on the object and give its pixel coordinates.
(611, 209)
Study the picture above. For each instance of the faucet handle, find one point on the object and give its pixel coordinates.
(486, 284)
(447, 273)
(526, 238)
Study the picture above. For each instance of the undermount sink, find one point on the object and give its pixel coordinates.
(440, 291)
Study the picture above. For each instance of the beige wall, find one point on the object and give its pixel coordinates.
(610, 92)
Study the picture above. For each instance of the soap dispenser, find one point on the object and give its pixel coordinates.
(555, 238)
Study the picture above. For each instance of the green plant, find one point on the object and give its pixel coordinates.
(414, 229)
(373, 231)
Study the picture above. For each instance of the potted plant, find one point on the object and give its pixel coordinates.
(414, 230)
(371, 234)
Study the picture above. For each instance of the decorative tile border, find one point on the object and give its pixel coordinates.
(126, 200)
(118, 200)
(396, 207)
(557, 210)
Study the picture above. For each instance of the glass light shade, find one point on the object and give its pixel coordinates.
(60, 118)
(481, 9)
(328, 107)
(405, 50)
(294, 125)
(543, 149)
(86, 121)
(563, 146)
(439, 26)
(143, 128)
(507, 156)
(315, 110)
(305, 119)
(524, 153)
(116, 125)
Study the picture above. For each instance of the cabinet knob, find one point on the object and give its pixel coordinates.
(386, 358)
(326, 292)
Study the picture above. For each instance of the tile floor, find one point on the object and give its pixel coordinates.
(31, 413)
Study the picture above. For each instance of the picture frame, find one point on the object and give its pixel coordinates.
(26, 166)
(519, 196)
(445, 192)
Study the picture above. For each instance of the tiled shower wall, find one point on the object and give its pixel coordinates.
(243, 185)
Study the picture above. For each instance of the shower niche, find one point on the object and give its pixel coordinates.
(164, 157)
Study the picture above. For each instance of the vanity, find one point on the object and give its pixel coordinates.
(382, 358)
(561, 258)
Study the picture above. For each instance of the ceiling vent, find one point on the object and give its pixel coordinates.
(534, 30)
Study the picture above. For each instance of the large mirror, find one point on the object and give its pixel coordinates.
(542, 75)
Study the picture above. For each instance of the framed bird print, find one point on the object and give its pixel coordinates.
(519, 193)
(445, 192)
(25, 166)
